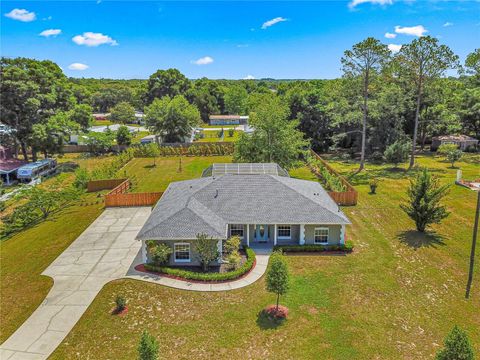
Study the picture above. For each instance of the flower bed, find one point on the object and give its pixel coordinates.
(347, 248)
(208, 277)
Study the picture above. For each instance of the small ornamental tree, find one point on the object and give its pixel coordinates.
(148, 347)
(424, 196)
(152, 150)
(277, 276)
(123, 136)
(451, 152)
(207, 250)
(123, 112)
(397, 152)
(231, 248)
(457, 346)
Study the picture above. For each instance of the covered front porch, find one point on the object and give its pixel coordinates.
(269, 235)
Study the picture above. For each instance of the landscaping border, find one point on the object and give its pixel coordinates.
(206, 278)
(346, 248)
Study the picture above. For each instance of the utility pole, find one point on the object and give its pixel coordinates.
(474, 243)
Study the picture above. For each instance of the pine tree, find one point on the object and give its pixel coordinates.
(457, 346)
(148, 347)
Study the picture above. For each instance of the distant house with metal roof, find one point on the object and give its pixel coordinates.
(463, 142)
(258, 202)
(9, 166)
(228, 120)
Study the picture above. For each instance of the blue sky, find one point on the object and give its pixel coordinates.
(234, 40)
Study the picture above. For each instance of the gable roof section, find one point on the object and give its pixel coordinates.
(207, 205)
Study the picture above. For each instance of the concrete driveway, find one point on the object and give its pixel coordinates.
(102, 253)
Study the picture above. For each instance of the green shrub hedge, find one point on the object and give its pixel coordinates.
(348, 247)
(191, 275)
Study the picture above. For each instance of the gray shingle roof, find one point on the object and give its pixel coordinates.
(208, 204)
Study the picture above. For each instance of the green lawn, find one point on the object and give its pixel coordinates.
(395, 297)
(212, 136)
(156, 178)
(208, 126)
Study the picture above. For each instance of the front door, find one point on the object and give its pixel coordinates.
(261, 233)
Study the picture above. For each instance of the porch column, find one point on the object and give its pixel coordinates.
(8, 178)
(342, 235)
(302, 234)
(274, 234)
(144, 252)
(248, 234)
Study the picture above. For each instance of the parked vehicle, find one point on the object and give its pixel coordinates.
(36, 170)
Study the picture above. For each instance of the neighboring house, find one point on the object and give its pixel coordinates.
(147, 139)
(228, 120)
(9, 166)
(463, 142)
(101, 116)
(139, 118)
(77, 139)
(258, 202)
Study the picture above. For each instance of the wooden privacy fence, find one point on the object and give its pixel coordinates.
(132, 199)
(98, 185)
(118, 196)
(348, 197)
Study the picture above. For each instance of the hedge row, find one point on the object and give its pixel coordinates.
(348, 247)
(191, 275)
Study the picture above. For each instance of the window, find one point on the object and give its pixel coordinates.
(321, 235)
(236, 229)
(182, 252)
(284, 232)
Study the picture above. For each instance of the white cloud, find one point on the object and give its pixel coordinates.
(394, 48)
(354, 3)
(78, 66)
(50, 32)
(242, 45)
(272, 22)
(390, 35)
(418, 30)
(93, 39)
(249, 77)
(203, 61)
(447, 24)
(21, 15)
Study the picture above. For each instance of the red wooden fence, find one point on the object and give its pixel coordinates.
(132, 199)
(97, 185)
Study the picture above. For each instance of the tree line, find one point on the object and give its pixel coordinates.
(382, 98)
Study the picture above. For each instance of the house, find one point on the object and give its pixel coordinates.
(228, 120)
(258, 202)
(9, 166)
(78, 139)
(148, 139)
(463, 142)
(101, 116)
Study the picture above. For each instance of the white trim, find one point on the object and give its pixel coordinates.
(275, 234)
(248, 234)
(342, 235)
(144, 251)
(182, 260)
(284, 237)
(321, 228)
(301, 240)
(243, 230)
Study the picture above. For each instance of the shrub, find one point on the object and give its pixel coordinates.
(121, 303)
(3, 206)
(457, 346)
(454, 155)
(347, 247)
(373, 185)
(82, 177)
(424, 196)
(123, 136)
(206, 250)
(377, 157)
(191, 275)
(231, 131)
(445, 148)
(231, 247)
(276, 313)
(159, 253)
(397, 152)
(148, 347)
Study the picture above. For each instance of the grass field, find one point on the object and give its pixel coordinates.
(395, 297)
(212, 136)
(156, 178)
(25, 255)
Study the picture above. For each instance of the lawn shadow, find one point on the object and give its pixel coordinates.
(68, 166)
(151, 166)
(416, 239)
(265, 322)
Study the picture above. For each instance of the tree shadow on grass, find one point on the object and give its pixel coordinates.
(151, 166)
(265, 322)
(68, 166)
(416, 239)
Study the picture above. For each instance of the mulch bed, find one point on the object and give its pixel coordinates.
(120, 313)
(141, 268)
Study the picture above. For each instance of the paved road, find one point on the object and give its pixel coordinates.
(104, 252)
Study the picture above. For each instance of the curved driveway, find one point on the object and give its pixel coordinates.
(105, 251)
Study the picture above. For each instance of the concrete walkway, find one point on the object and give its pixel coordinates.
(255, 274)
(104, 252)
